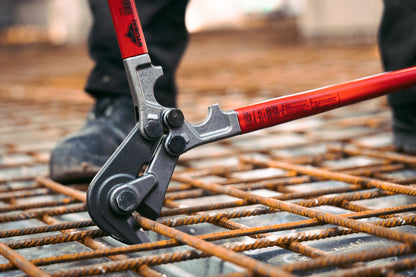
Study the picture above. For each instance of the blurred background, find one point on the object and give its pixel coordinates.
(262, 48)
(244, 49)
(66, 21)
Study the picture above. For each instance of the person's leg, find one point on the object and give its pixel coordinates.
(78, 157)
(397, 41)
(163, 23)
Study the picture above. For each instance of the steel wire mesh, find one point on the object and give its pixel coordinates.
(325, 196)
(274, 203)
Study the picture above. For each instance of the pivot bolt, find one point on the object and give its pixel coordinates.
(126, 200)
(175, 118)
(177, 145)
(153, 129)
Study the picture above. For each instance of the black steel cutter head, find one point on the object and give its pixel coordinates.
(119, 170)
(161, 134)
(120, 189)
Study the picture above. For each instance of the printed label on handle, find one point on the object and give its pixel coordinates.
(128, 28)
(287, 108)
(277, 111)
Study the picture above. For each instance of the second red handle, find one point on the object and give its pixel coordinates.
(287, 108)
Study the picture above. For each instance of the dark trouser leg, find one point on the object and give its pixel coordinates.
(79, 157)
(397, 40)
(163, 23)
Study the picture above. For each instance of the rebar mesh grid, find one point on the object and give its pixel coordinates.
(324, 196)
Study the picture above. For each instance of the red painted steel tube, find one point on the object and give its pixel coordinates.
(128, 28)
(287, 108)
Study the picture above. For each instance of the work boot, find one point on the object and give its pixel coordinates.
(79, 157)
(404, 128)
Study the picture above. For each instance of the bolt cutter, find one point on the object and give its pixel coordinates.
(136, 176)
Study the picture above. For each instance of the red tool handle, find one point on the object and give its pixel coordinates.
(284, 109)
(128, 28)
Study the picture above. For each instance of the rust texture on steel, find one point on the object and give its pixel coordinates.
(322, 196)
(267, 204)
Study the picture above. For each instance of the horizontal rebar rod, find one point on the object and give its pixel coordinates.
(331, 175)
(296, 209)
(26, 266)
(238, 233)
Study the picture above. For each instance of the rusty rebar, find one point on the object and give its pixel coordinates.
(316, 263)
(17, 207)
(226, 230)
(18, 260)
(392, 156)
(238, 203)
(207, 248)
(212, 249)
(331, 175)
(283, 240)
(6, 196)
(45, 229)
(316, 201)
(384, 269)
(73, 236)
(75, 194)
(38, 212)
(337, 260)
(265, 183)
(296, 209)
